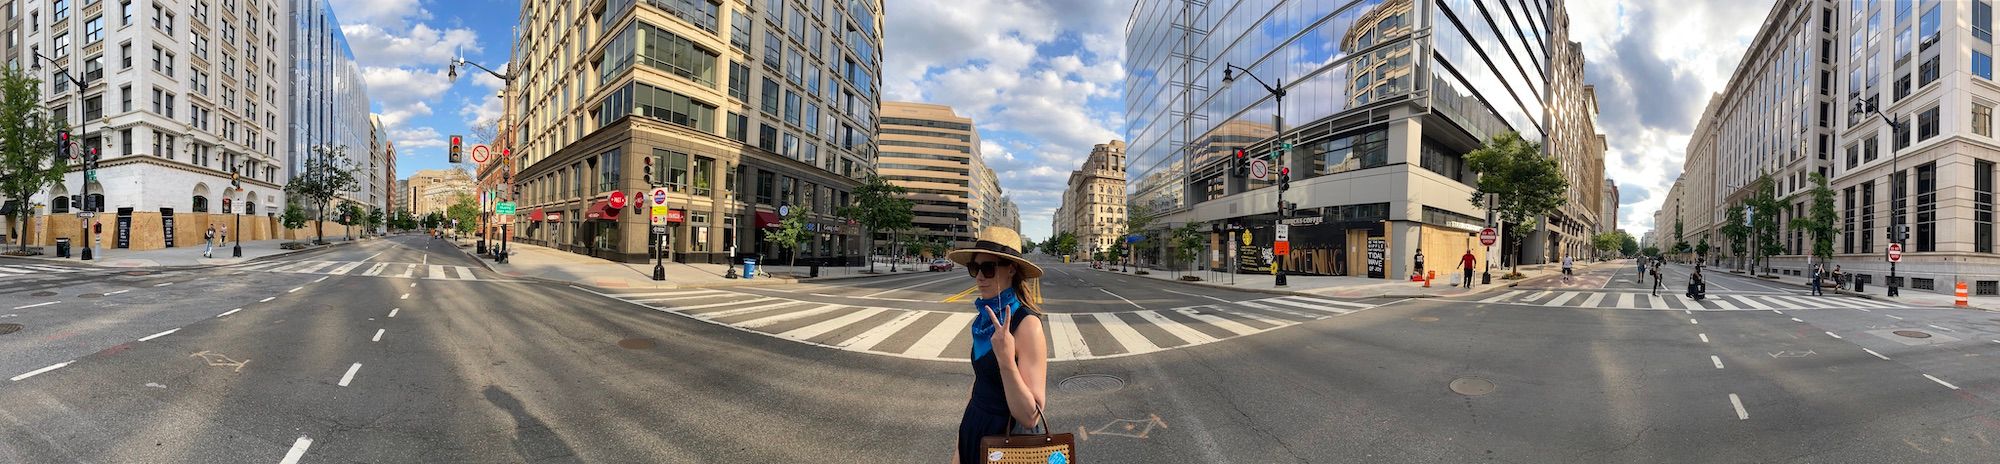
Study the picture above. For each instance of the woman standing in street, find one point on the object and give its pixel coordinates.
(1010, 358)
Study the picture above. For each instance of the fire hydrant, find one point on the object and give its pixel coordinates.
(1428, 276)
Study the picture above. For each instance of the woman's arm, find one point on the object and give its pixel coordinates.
(1025, 375)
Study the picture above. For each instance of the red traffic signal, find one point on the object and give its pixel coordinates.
(456, 154)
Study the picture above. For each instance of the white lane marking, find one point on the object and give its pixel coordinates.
(375, 269)
(1625, 301)
(117, 292)
(344, 268)
(1133, 342)
(378, 335)
(409, 270)
(39, 371)
(932, 344)
(1781, 313)
(405, 297)
(1192, 336)
(681, 297)
(163, 284)
(918, 284)
(1329, 302)
(379, 253)
(298, 450)
(229, 312)
(746, 309)
(1996, 341)
(637, 296)
(158, 335)
(36, 304)
(1221, 322)
(1834, 335)
(464, 273)
(1594, 299)
(412, 284)
(392, 312)
(776, 318)
(873, 336)
(427, 258)
(1865, 310)
(1893, 317)
(725, 303)
(1108, 292)
(1692, 321)
(1741, 414)
(295, 289)
(318, 280)
(1797, 320)
(1191, 294)
(435, 271)
(1564, 298)
(833, 324)
(1935, 326)
(1503, 296)
(1941, 382)
(1751, 303)
(345, 379)
(1307, 306)
(1717, 359)
(1704, 337)
(1878, 355)
(1687, 312)
(1725, 304)
(267, 299)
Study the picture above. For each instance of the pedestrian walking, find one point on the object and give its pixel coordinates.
(1816, 279)
(1658, 281)
(1467, 262)
(223, 237)
(1567, 267)
(208, 242)
(1010, 358)
(1839, 279)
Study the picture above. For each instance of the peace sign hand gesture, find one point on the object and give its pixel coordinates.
(1002, 339)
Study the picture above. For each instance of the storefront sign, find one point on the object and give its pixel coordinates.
(676, 216)
(1303, 221)
(1378, 252)
(555, 216)
(124, 231)
(167, 224)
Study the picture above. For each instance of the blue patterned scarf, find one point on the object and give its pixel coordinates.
(1003, 306)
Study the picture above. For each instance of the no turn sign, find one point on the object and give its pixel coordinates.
(1895, 252)
(1487, 236)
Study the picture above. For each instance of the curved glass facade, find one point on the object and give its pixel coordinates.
(329, 97)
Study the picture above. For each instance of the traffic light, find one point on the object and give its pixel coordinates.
(1284, 178)
(1240, 165)
(648, 169)
(1287, 209)
(1899, 233)
(235, 180)
(456, 154)
(62, 145)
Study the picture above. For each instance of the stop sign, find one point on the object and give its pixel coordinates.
(1895, 252)
(617, 199)
(1487, 236)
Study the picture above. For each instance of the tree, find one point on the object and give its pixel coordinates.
(791, 232)
(295, 216)
(403, 220)
(1187, 241)
(328, 173)
(1821, 221)
(1650, 251)
(1734, 229)
(1680, 240)
(1764, 206)
(350, 215)
(465, 209)
(1701, 250)
(28, 136)
(1627, 245)
(1605, 243)
(1061, 244)
(1523, 184)
(375, 218)
(432, 220)
(880, 205)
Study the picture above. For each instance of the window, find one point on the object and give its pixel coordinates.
(771, 96)
(1982, 206)
(774, 49)
(125, 11)
(791, 146)
(1902, 133)
(62, 45)
(740, 29)
(1982, 65)
(703, 176)
(609, 169)
(658, 49)
(1853, 156)
(1847, 222)
(1359, 151)
(791, 107)
(812, 119)
(739, 80)
(1927, 124)
(93, 108)
(1872, 148)
(767, 138)
(1926, 235)
(93, 30)
(1982, 20)
(59, 11)
(93, 68)
(1927, 72)
(159, 96)
(1982, 119)
(125, 55)
(125, 97)
(1927, 28)
(767, 185)
(125, 137)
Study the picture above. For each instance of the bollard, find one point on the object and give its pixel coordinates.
(1961, 299)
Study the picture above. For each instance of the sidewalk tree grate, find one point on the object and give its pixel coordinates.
(1091, 383)
(9, 328)
(1912, 334)
(1472, 386)
(637, 344)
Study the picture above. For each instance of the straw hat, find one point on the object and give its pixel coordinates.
(997, 241)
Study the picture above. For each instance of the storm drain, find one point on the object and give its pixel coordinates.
(1472, 386)
(637, 344)
(9, 328)
(1912, 334)
(1091, 383)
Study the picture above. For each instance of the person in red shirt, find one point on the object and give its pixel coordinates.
(1467, 262)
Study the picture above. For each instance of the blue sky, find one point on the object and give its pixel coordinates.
(403, 47)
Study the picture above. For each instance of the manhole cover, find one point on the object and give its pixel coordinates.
(1091, 383)
(9, 328)
(1472, 386)
(636, 344)
(44, 293)
(1424, 319)
(1912, 334)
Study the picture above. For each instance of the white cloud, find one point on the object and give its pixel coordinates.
(390, 14)
(423, 46)
(418, 137)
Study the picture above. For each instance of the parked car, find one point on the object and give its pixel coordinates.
(941, 265)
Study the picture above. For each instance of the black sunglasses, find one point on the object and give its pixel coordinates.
(976, 268)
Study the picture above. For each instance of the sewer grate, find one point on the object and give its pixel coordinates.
(637, 344)
(1472, 386)
(9, 328)
(1912, 334)
(1091, 383)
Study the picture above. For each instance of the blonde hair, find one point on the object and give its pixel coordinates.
(1029, 292)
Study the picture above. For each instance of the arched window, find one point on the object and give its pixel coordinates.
(200, 204)
(250, 208)
(59, 205)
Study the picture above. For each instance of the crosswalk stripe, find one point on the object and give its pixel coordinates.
(409, 270)
(436, 271)
(1594, 299)
(288, 266)
(1256, 305)
(680, 297)
(1753, 304)
(882, 332)
(1537, 296)
(312, 269)
(12, 270)
(375, 270)
(344, 268)
(262, 265)
(1128, 338)
(830, 325)
(1560, 299)
(1656, 302)
(1625, 301)
(1876, 304)
(776, 318)
(932, 343)
(1310, 306)
(711, 305)
(1177, 329)
(1251, 315)
(744, 310)
(464, 273)
(1688, 303)
(1812, 302)
(1845, 302)
(1068, 340)
(629, 296)
(49, 268)
(1724, 304)
(1503, 296)
(1328, 302)
(1786, 302)
(1235, 327)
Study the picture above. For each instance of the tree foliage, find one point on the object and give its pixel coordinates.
(1734, 229)
(1627, 245)
(1061, 244)
(1650, 251)
(1821, 221)
(328, 173)
(1701, 249)
(1763, 206)
(1523, 184)
(28, 136)
(1187, 241)
(295, 216)
(880, 205)
(465, 209)
(1605, 243)
(791, 232)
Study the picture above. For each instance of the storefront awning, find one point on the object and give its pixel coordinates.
(601, 209)
(537, 215)
(767, 219)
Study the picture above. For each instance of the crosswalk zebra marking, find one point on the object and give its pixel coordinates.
(1497, 298)
(344, 268)
(1724, 304)
(873, 336)
(464, 273)
(1625, 301)
(435, 271)
(1753, 304)
(830, 325)
(375, 270)
(1593, 300)
(1256, 305)
(1133, 342)
(1303, 305)
(932, 344)
(1219, 321)
(1252, 315)
(1657, 302)
(1328, 302)
(1688, 303)
(1176, 329)
(1560, 299)
(777, 318)
(743, 310)
(1068, 340)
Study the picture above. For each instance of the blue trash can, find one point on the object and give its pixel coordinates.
(749, 268)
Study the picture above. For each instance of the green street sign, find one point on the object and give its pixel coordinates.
(505, 207)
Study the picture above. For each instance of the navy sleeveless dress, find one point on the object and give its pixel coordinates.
(986, 414)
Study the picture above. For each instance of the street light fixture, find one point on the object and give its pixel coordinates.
(89, 153)
(1897, 231)
(1278, 97)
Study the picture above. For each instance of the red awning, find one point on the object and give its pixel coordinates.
(602, 210)
(767, 219)
(537, 215)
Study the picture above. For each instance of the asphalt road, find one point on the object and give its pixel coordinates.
(446, 365)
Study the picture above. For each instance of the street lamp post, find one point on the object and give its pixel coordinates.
(89, 153)
(1278, 97)
(1896, 227)
(234, 172)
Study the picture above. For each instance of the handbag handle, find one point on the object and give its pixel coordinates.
(1038, 418)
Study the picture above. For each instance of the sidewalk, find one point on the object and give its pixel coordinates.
(185, 255)
(1343, 286)
(1908, 296)
(537, 262)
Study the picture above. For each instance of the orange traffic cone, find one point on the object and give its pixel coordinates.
(1962, 299)
(1428, 277)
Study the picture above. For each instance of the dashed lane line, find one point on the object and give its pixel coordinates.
(40, 371)
(267, 299)
(36, 304)
(295, 289)
(345, 379)
(392, 312)
(158, 335)
(1692, 321)
(1878, 355)
(1941, 382)
(405, 297)
(1717, 359)
(1108, 292)
(1191, 294)
(298, 450)
(163, 284)
(378, 335)
(1834, 335)
(1935, 326)
(1741, 414)
(117, 292)
(229, 312)
(1704, 337)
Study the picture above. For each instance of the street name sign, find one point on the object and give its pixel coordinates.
(505, 208)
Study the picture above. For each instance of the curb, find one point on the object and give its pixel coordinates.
(94, 263)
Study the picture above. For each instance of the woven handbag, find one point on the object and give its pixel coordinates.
(1008, 448)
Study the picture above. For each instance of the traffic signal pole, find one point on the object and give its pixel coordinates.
(1278, 96)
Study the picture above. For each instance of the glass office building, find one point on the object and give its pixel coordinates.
(1382, 100)
(330, 99)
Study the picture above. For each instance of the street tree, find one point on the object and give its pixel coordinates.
(1680, 240)
(1821, 221)
(1734, 229)
(376, 218)
(1650, 251)
(328, 173)
(351, 214)
(1137, 219)
(1187, 242)
(1523, 184)
(880, 205)
(1061, 244)
(294, 218)
(465, 209)
(1764, 205)
(1605, 243)
(28, 134)
(791, 232)
(431, 220)
(1627, 245)
(1701, 249)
